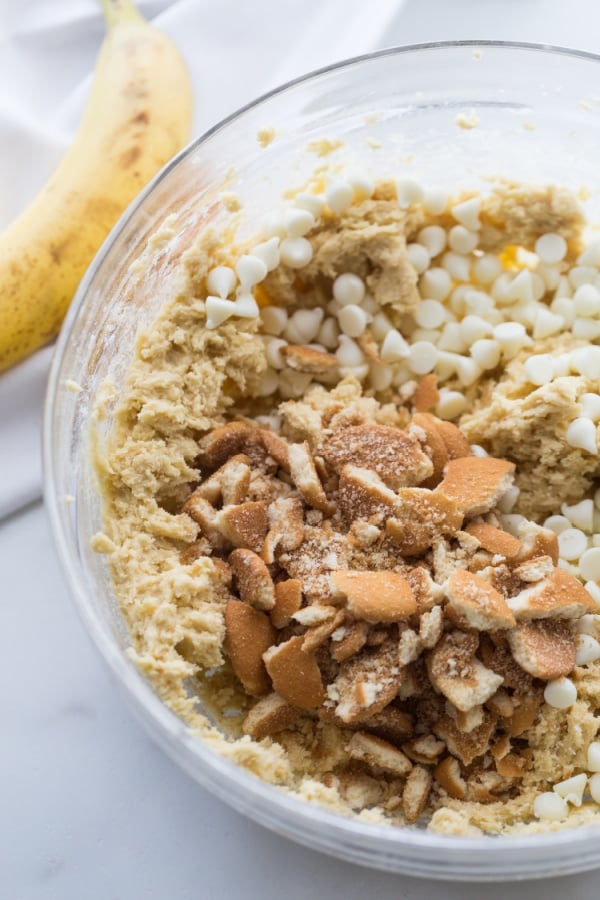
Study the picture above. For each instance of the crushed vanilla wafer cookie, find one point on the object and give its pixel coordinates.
(352, 502)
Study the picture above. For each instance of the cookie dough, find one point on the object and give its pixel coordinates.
(433, 336)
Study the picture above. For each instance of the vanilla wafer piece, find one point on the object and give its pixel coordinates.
(477, 603)
(248, 634)
(495, 540)
(476, 483)
(376, 596)
(394, 455)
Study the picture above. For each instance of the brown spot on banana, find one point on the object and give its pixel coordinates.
(127, 159)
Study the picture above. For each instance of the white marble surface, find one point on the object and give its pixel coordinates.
(90, 809)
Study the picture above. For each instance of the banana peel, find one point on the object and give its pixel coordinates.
(138, 115)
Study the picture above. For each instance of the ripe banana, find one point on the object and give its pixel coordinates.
(137, 117)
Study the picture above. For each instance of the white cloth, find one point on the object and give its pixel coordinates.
(234, 50)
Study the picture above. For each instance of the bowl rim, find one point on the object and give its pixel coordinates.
(172, 732)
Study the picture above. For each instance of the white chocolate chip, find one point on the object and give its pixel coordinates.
(486, 353)
(550, 807)
(546, 323)
(467, 213)
(560, 693)
(562, 306)
(246, 306)
(486, 269)
(571, 789)
(408, 192)
(359, 372)
(435, 284)
(512, 337)
(473, 328)
(352, 320)
(310, 202)
(296, 252)
(549, 274)
(451, 404)
(268, 252)
(512, 522)
(579, 275)
(250, 271)
(418, 257)
(507, 501)
(221, 281)
(339, 196)
(349, 353)
(476, 450)
(589, 564)
(581, 434)
(430, 314)
(274, 226)
(581, 514)
(588, 649)
(451, 339)
(562, 365)
(329, 333)
(381, 326)
(468, 370)
(422, 357)
(587, 329)
(293, 384)
(298, 222)
(305, 324)
(524, 312)
(586, 301)
(588, 624)
(433, 238)
(457, 266)
(521, 287)
(462, 240)
(426, 334)
(590, 406)
(481, 304)
(540, 369)
(551, 248)
(571, 543)
(348, 289)
(557, 524)
(218, 311)
(446, 364)
(593, 757)
(394, 347)
(274, 319)
(586, 361)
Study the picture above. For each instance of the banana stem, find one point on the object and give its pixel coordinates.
(116, 12)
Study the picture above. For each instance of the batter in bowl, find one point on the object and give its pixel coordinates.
(350, 503)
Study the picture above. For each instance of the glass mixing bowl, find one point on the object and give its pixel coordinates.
(397, 112)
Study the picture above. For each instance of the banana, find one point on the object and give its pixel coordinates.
(137, 117)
